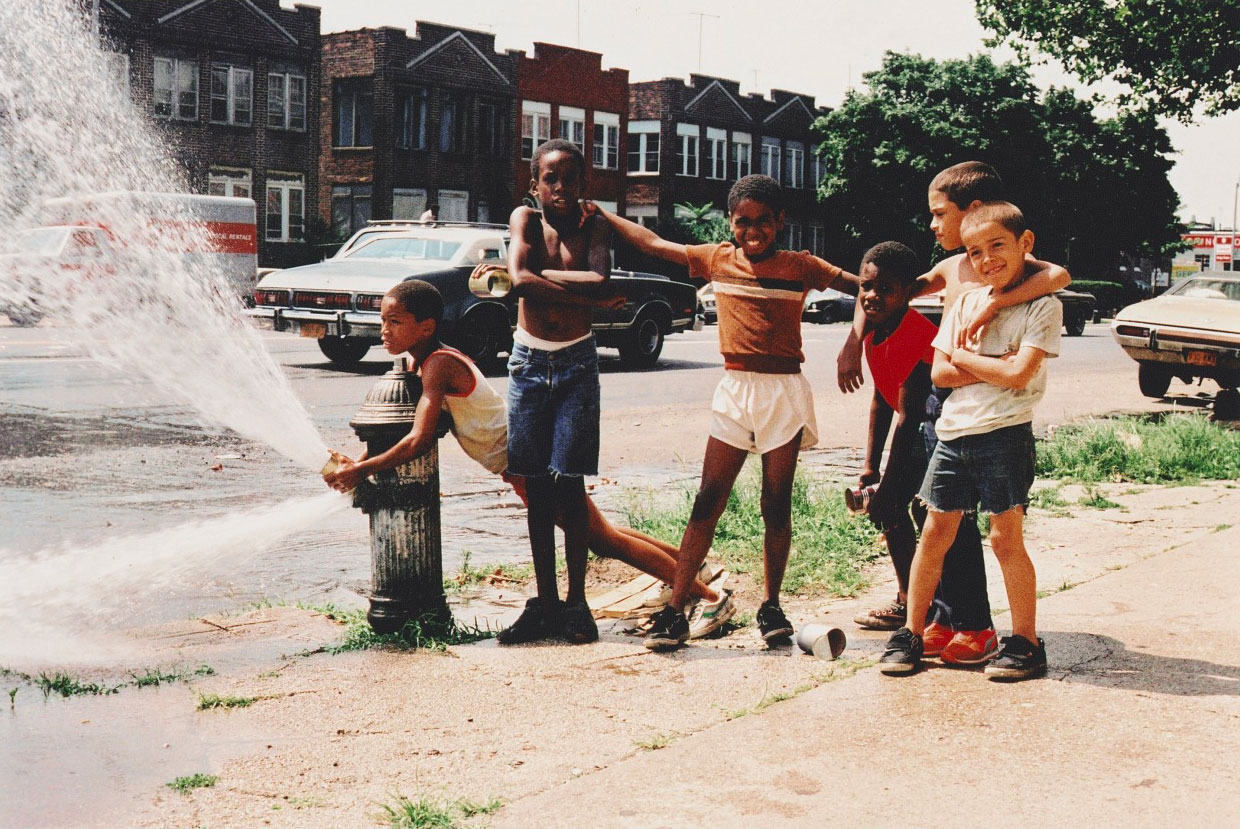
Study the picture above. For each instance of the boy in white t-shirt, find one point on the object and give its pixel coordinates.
(986, 450)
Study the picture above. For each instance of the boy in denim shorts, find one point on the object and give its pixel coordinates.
(763, 405)
(985, 452)
(560, 261)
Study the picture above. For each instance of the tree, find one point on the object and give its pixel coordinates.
(1095, 191)
(704, 223)
(1174, 56)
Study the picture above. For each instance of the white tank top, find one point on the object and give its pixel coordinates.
(479, 417)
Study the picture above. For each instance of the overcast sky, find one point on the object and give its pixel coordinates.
(816, 48)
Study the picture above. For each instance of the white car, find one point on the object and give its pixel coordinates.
(1191, 331)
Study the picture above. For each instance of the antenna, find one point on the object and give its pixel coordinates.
(701, 16)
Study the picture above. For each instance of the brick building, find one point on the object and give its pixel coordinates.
(565, 93)
(415, 123)
(688, 143)
(233, 84)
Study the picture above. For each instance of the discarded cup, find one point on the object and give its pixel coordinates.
(823, 641)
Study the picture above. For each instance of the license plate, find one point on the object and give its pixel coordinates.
(314, 330)
(1201, 358)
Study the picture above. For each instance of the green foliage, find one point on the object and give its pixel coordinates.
(470, 575)
(1097, 500)
(704, 223)
(70, 686)
(430, 813)
(1095, 191)
(1178, 449)
(425, 633)
(207, 702)
(193, 781)
(1173, 56)
(830, 547)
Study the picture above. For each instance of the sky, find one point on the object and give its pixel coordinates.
(816, 47)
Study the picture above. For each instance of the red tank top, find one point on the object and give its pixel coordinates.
(893, 360)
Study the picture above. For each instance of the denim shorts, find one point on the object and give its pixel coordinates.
(994, 470)
(553, 410)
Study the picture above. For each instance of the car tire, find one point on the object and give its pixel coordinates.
(1227, 405)
(1153, 379)
(482, 335)
(344, 351)
(643, 342)
(826, 316)
(1075, 325)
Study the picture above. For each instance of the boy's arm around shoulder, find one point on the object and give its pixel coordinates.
(642, 238)
(1044, 278)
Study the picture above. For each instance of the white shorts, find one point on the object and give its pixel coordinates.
(760, 412)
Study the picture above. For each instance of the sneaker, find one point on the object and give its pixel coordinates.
(889, 617)
(707, 573)
(1018, 659)
(534, 623)
(772, 623)
(578, 625)
(709, 617)
(669, 629)
(935, 639)
(903, 654)
(969, 647)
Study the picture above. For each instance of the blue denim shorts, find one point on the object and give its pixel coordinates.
(553, 411)
(992, 471)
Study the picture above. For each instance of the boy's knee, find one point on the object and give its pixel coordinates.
(708, 505)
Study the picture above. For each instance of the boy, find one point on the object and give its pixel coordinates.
(963, 632)
(986, 452)
(559, 260)
(763, 405)
(897, 349)
(411, 313)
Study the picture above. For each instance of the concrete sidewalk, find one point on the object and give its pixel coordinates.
(1137, 724)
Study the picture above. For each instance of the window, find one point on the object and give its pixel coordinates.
(535, 126)
(606, 140)
(794, 164)
(573, 125)
(453, 118)
(176, 88)
(819, 171)
(412, 108)
(354, 110)
(453, 205)
(770, 158)
(817, 239)
(286, 207)
(350, 209)
(484, 211)
(792, 236)
(408, 203)
(232, 94)
(491, 128)
(742, 154)
(643, 146)
(286, 101)
(687, 149)
(716, 153)
(225, 181)
(646, 215)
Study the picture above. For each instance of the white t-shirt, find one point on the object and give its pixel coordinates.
(981, 407)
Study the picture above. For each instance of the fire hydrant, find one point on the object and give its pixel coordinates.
(403, 504)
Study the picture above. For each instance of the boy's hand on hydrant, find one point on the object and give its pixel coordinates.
(345, 477)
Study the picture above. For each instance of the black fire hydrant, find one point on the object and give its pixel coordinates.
(403, 504)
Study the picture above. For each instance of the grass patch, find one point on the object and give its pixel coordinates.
(155, 676)
(431, 813)
(1096, 500)
(468, 575)
(656, 742)
(66, 685)
(70, 686)
(416, 633)
(830, 547)
(1051, 500)
(207, 702)
(1180, 448)
(193, 781)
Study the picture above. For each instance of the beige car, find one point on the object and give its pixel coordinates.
(1191, 331)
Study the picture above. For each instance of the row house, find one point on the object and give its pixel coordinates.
(416, 124)
(688, 143)
(565, 93)
(234, 87)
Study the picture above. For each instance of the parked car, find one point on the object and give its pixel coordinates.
(1078, 309)
(706, 304)
(828, 306)
(337, 301)
(1190, 331)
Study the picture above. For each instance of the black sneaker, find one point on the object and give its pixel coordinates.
(578, 624)
(1018, 659)
(534, 623)
(772, 623)
(903, 654)
(668, 629)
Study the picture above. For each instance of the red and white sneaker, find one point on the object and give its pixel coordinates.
(971, 647)
(934, 638)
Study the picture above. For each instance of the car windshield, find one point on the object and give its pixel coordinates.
(1206, 288)
(44, 241)
(405, 247)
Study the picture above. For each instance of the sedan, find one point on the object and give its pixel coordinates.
(828, 306)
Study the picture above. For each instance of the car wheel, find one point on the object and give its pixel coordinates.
(1227, 405)
(1153, 379)
(344, 351)
(643, 342)
(482, 337)
(1075, 325)
(826, 315)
